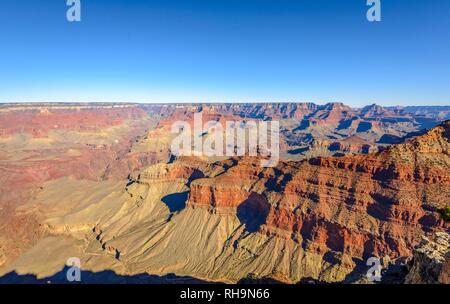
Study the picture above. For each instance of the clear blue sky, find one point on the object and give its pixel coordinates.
(226, 50)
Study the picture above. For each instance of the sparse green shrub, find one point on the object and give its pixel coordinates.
(445, 213)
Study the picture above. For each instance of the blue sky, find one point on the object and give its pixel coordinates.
(226, 51)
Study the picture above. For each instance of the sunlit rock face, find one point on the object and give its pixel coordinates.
(100, 183)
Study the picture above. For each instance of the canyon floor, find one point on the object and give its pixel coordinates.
(99, 182)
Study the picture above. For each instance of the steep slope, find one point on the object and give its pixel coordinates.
(431, 261)
(46, 142)
(319, 218)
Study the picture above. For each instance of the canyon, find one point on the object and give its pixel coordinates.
(99, 182)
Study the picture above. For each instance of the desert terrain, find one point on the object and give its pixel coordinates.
(99, 182)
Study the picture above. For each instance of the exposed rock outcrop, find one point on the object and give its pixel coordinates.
(431, 261)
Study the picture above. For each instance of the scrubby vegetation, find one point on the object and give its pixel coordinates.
(445, 213)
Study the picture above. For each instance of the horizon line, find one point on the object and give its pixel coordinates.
(212, 103)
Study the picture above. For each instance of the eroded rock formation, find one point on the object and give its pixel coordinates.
(225, 220)
(431, 261)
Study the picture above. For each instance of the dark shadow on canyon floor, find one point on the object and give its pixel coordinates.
(102, 277)
(298, 151)
(176, 201)
(253, 212)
